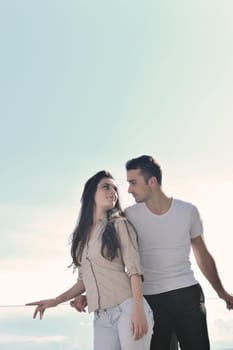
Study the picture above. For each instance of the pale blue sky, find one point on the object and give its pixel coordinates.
(86, 85)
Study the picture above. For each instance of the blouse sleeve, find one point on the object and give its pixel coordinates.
(80, 273)
(129, 247)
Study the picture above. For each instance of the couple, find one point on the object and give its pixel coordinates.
(105, 248)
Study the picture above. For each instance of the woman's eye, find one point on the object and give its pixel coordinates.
(108, 187)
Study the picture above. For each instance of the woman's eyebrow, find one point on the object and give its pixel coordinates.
(109, 184)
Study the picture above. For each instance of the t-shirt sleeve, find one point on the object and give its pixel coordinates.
(129, 247)
(127, 212)
(196, 228)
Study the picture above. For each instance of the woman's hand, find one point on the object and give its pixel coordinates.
(42, 305)
(139, 322)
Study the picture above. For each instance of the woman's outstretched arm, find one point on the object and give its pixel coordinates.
(41, 305)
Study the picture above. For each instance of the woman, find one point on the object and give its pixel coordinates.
(104, 249)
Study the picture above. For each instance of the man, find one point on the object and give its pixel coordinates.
(167, 228)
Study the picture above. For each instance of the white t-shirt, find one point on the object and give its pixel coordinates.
(164, 244)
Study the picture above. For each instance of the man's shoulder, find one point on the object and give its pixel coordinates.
(135, 206)
(134, 209)
(180, 204)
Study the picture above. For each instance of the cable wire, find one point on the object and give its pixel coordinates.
(23, 305)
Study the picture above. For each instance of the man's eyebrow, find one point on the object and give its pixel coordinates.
(131, 180)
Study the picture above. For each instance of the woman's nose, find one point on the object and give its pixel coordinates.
(113, 191)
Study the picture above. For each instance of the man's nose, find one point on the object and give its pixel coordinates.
(129, 189)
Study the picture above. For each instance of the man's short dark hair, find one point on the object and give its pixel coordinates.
(148, 166)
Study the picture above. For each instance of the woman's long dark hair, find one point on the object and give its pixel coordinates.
(110, 242)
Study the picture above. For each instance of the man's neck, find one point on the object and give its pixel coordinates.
(159, 204)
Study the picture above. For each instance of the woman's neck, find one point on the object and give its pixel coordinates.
(98, 216)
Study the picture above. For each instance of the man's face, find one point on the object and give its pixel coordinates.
(138, 187)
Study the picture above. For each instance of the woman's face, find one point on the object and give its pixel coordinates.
(106, 194)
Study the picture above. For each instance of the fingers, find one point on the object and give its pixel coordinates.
(42, 313)
(79, 303)
(35, 313)
(76, 305)
(139, 330)
(229, 301)
(33, 303)
(229, 305)
(40, 309)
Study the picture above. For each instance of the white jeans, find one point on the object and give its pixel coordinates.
(113, 328)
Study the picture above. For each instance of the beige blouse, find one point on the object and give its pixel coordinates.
(107, 282)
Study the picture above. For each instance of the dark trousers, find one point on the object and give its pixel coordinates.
(174, 342)
(183, 311)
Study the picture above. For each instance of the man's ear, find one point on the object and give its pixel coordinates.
(153, 181)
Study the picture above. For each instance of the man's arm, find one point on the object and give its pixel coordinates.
(208, 267)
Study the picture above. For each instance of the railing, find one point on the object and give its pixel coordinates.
(62, 328)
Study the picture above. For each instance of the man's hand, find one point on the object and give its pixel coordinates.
(228, 298)
(79, 303)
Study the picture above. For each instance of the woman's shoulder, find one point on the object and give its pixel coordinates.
(122, 224)
(119, 221)
(116, 215)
